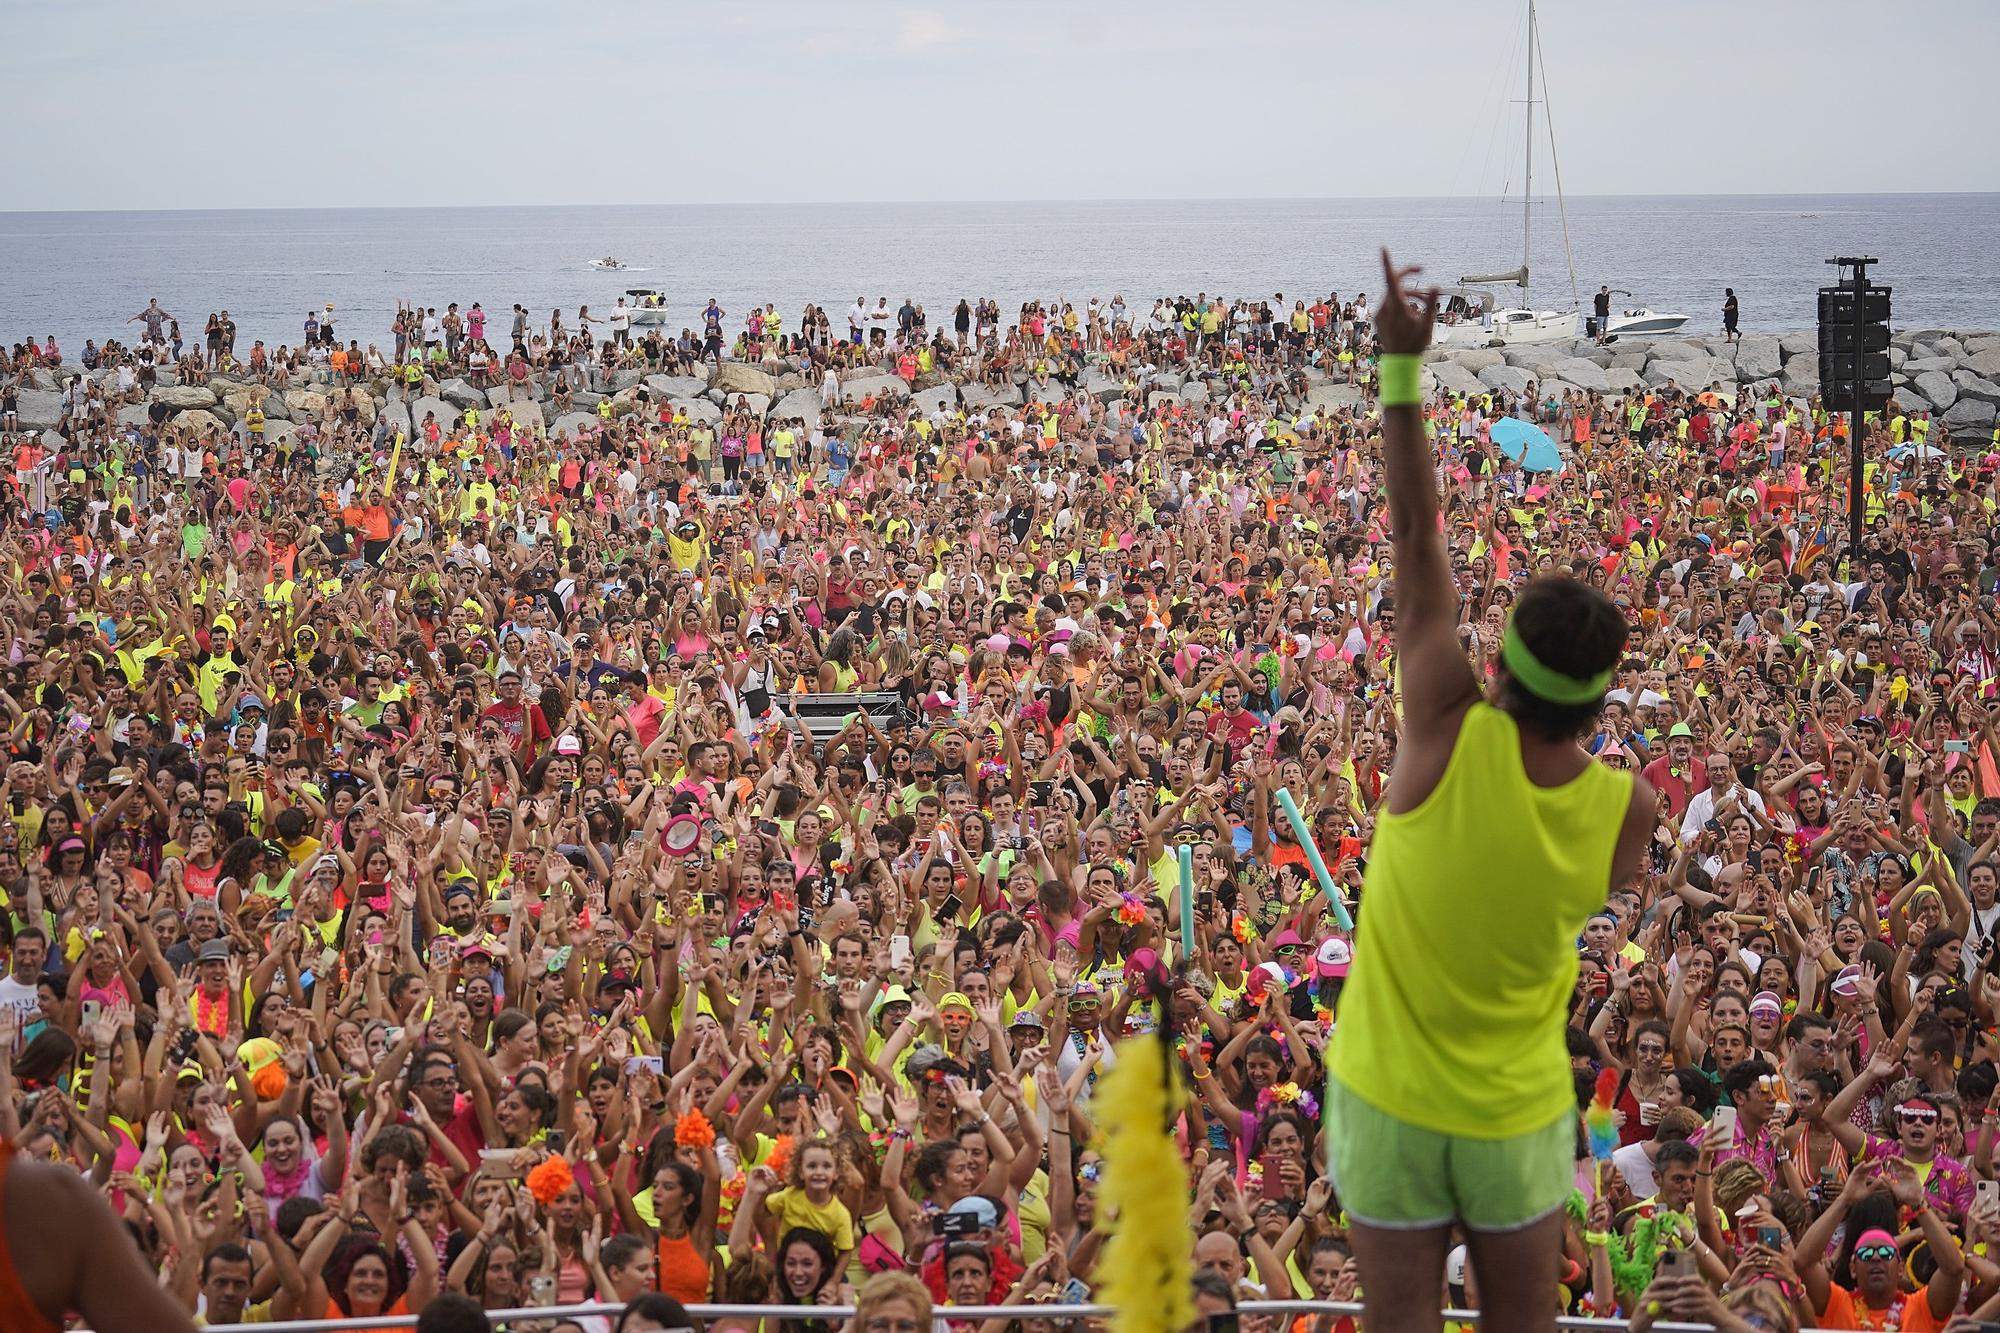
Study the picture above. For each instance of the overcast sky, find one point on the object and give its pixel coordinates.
(120, 104)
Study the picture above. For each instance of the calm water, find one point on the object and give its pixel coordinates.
(81, 274)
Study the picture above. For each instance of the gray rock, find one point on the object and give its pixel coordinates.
(500, 395)
(981, 397)
(199, 420)
(1194, 391)
(1161, 398)
(874, 383)
(182, 397)
(1917, 365)
(397, 412)
(437, 407)
(585, 400)
(1166, 379)
(1103, 387)
(1535, 356)
(1511, 378)
(626, 378)
(1985, 363)
(1984, 342)
(1675, 349)
(1476, 359)
(937, 399)
(461, 395)
(1584, 374)
(1937, 386)
(1951, 347)
(759, 404)
(575, 423)
(527, 414)
(1801, 378)
(1454, 378)
(1897, 356)
(1628, 359)
(39, 409)
(1052, 392)
(1972, 386)
(804, 403)
(735, 377)
(1693, 374)
(699, 409)
(1798, 344)
(1331, 395)
(791, 380)
(1623, 379)
(1758, 358)
(676, 386)
(1970, 414)
(133, 414)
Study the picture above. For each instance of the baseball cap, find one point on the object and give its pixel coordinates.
(568, 745)
(977, 1205)
(1333, 957)
(955, 1000)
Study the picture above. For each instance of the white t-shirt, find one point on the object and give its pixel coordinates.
(17, 997)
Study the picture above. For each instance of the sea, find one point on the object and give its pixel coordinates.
(80, 275)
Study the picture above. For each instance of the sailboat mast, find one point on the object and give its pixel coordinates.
(1528, 170)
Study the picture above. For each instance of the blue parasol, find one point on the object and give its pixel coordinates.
(1530, 446)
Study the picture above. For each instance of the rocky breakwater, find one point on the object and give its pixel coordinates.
(1951, 374)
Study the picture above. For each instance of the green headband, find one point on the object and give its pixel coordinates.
(1545, 682)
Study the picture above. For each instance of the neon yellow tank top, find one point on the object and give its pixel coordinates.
(1452, 1018)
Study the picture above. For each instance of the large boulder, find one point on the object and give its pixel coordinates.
(733, 377)
(699, 409)
(184, 397)
(134, 414)
(462, 395)
(445, 413)
(1971, 414)
(1103, 387)
(1758, 357)
(527, 414)
(1623, 379)
(873, 384)
(1584, 374)
(500, 395)
(802, 403)
(1675, 349)
(1984, 363)
(305, 404)
(1937, 386)
(1801, 378)
(983, 397)
(626, 377)
(676, 386)
(1973, 386)
(1537, 357)
(39, 409)
(199, 420)
(791, 380)
(1452, 377)
(575, 424)
(1194, 391)
(1693, 374)
(1341, 395)
(1476, 359)
(1513, 379)
(1917, 365)
(1805, 343)
(398, 413)
(937, 399)
(1166, 379)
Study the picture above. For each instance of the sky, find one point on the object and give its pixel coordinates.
(134, 104)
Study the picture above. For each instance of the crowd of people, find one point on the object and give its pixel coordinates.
(422, 883)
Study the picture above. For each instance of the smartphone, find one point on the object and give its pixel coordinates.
(1676, 1263)
(645, 1063)
(91, 1010)
(1725, 1119)
(899, 955)
(394, 1034)
(441, 952)
(949, 909)
(1771, 1238)
(1228, 1321)
(542, 1289)
(1987, 1192)
(1958, 747)
(498, 1162)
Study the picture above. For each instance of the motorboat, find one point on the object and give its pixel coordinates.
(1521, 327)
(1641, 323)
(607, 264)
(649, 308)
(1467, 318)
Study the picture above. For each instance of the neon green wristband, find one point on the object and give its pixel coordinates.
(1399, 378)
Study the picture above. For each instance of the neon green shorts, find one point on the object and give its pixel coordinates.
(1396, 1175)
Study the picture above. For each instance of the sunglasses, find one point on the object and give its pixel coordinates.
(1868, 1252)
(1916, 1115)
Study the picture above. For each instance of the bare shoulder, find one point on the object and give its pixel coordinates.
(59, 1229)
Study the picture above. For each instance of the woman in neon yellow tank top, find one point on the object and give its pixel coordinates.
(1450, 1099)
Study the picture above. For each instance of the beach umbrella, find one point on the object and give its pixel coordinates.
(1530, 446)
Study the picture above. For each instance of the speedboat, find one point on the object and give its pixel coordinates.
(649, 308)
(1641, 323)
(607, 263)
(1512, 327)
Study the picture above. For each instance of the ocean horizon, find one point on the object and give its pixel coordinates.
(80, 274)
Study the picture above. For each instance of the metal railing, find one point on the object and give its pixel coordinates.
(1572, 1324)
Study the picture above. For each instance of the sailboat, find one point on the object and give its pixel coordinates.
(1520, 324)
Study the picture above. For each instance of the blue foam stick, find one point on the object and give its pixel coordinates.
(1304, 835)
(1187, 902)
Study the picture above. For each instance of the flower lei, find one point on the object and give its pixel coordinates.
(1131, 910)
(550, 1180)
(1239, 926)
(694, 1131)
(1288, 1095)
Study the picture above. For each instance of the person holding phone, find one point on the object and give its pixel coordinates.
(1451, 1100)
